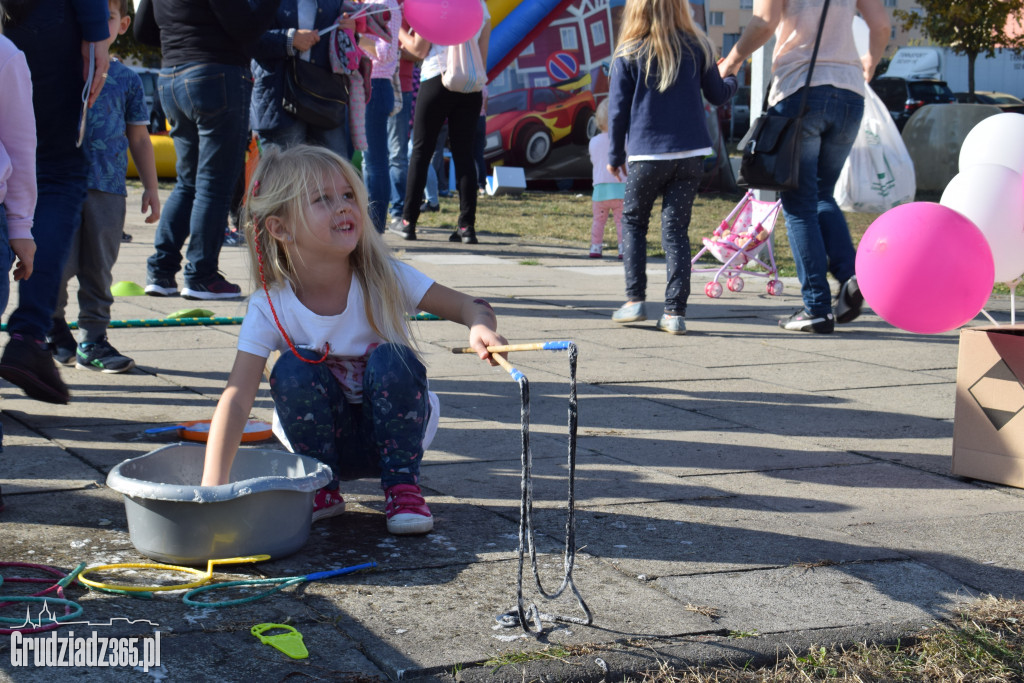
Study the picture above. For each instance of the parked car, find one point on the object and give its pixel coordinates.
(1006, 102)
(903, 96)
(149, 85)
(523, 125)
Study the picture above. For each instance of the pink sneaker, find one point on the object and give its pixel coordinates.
(406, 510)
(327, 504)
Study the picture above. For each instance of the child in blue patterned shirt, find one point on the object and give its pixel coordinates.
(119, 121)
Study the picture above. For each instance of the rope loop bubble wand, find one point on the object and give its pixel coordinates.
(524, 615)
(203, 576)
(26, 626)
(275, 585)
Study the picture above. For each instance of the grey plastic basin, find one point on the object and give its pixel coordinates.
(265, 509)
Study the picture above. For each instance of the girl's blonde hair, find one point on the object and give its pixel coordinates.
(651, 34)
(601, 115)
(281, 186)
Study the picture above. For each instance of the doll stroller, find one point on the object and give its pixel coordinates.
(739, 241)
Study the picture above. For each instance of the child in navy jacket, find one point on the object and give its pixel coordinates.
(660, 69)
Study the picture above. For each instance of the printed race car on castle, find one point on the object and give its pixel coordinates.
(523, 125)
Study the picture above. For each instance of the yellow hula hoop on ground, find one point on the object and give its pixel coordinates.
(204, 576)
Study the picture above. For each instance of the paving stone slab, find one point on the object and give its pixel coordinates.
(706, 536)
(32, 464)
(867, 493)
(123, 411)
(456, 610)
(930, 454)
(982, 551)
(927, 399)
(821, 597)
(598, 481)
(687, 452)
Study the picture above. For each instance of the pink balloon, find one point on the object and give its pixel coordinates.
(925, 268)
(445, 22)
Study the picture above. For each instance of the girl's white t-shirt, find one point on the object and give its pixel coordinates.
(349, 332)
(436, 60)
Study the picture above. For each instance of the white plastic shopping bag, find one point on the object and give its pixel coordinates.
(879, 173)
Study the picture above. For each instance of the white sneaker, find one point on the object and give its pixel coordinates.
(595, 251)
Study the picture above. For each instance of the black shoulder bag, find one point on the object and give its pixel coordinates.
(314, 95)
(771, 153)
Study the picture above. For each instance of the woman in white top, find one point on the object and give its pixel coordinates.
(818, 234)
(434, 104)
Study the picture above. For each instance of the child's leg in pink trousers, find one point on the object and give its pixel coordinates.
(617, 205)
(601, 209)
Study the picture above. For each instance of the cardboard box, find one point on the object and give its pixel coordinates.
(988, 427)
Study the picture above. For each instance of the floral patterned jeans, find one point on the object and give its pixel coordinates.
(380, 437)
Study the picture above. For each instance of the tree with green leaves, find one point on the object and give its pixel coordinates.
(969, 27)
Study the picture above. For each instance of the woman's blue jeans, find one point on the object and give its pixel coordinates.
(51, 39)
(376, 173)
(380, 437)
(398, 154)
(818, 235)
(208, 107)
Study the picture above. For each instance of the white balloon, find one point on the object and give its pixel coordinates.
(998, 139)
(861, 36)
(990, 195)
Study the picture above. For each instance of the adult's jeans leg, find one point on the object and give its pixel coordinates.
(676, 207)
(51, 39)
(845, 109)
(176, 213)
(219, 95)
(398, 154)
(800, 208)
(61, 193)
(375, 156)
(822, 130)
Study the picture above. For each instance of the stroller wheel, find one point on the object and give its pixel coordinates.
(774, 287)
(735, 284)
(713, 289)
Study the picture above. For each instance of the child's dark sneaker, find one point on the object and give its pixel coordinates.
(214, 288)
(103, 357)
(62, 343)
(28, 364)
(327, 504)
(802, 321)
(406, 510)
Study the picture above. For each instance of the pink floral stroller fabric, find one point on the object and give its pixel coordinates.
(743, 239)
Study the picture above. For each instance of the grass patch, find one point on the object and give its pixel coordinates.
(983, 642)
(553, 652)
(564, 218)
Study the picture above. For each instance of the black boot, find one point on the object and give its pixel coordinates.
(467, 235)
(29, 365)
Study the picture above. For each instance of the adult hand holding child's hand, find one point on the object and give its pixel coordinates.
(25, 250)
